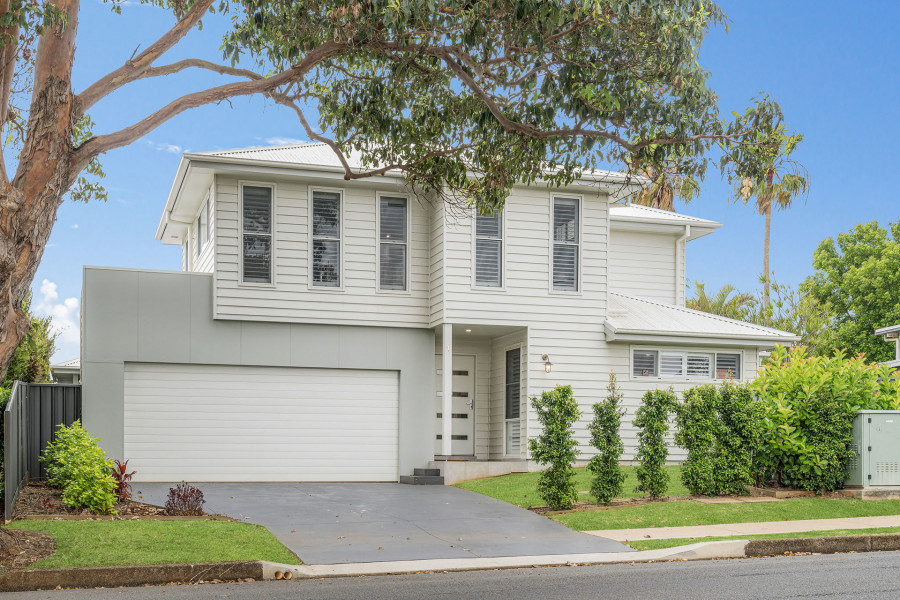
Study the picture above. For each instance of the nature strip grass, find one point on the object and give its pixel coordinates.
(684, 513)
(521, 488)
(658, 544)
(120, 543)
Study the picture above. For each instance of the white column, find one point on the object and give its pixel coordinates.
(447, 389)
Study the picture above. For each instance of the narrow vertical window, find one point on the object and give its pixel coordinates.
(489, 250)
(256, 234)
(393, 243)
(203, 227)
(326, 235)
(565, 244)
(513, 401)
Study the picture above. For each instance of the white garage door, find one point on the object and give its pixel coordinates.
(226, 423)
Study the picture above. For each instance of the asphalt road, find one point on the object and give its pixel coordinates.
(874, 575)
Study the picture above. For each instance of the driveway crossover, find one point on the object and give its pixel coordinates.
(328, 523)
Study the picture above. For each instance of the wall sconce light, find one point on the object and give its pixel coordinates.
(547, 364)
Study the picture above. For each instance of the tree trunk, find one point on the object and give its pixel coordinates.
(766, 209)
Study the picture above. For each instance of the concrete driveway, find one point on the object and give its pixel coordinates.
(328, 523)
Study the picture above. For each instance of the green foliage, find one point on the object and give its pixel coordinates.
(556, 446)
(789, 310)
(31, 361)
(76, 463)
(809, 405)
(652, 421)
(857, 279)
(722, 430)
(608, 475)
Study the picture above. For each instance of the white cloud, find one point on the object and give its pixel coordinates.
(284, 141)
(75, 226)
(169, 148)
(65, 318)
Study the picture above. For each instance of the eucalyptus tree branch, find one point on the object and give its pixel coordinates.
(134, 67)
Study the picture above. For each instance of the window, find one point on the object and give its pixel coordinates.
(565, 244)
(326, 239)
(393, 243)
(203, 227)
(256, 218)
(513, 382)
(664, 364)
(488, 250)
(728, 366)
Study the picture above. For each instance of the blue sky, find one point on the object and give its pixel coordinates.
(832, 66)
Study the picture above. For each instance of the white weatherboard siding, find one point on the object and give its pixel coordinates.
(238, 423)
(644, 265)
(291, 298)
(205, 261)
(437, 267)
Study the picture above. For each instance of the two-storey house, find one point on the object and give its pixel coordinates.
(333, 330)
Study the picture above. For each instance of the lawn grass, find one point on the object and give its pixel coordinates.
(521, 488)
(118, 543)
(688, 512)
(656, 544)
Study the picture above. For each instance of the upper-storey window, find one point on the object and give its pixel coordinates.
(666, 364)
(489, 250)
(326, 239)
(566, 239)
(256, 234)
(393, 245)
(203, 227)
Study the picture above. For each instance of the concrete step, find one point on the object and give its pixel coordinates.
(422, 479)
(427, 472)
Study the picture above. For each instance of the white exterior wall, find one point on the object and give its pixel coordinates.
(437, 266)
(647, 265)
(205, 262)
(291, 298)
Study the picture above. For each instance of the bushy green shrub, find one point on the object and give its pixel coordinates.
(652, 421)
(809, 405)
(608, 475)
(556, 446)
(722, 430)
(76, 464)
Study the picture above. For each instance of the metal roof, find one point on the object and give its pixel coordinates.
(886, 330)
(638, 213)
(630, 316)
(73, 363)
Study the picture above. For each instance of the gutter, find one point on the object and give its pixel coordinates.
(679, 260)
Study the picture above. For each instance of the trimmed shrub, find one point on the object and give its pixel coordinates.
(76, 463)
(652, 421)
(809, 405)
(608, 475)
(722, 430)
(185, 499)
(556, 447)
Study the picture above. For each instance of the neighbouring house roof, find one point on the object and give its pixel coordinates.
(636, 217)
(195, 171)
(888, 330)
(639, 319)
(67, 366)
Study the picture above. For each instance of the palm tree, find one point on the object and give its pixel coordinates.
(727, 302)
(765, 171)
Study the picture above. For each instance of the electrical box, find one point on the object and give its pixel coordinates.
(876, 445)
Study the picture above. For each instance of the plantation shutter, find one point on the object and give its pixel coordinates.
(326, 233)
(644, 363)
(513, 382)
(488, 251)
(257, 234)
(393, 243)
(728, 366)
(565, 244)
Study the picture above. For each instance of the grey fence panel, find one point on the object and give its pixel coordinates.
(34, 413)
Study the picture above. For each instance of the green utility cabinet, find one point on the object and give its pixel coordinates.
(876, 444)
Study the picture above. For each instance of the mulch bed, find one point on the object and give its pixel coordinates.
(29, 547)
(38, 499)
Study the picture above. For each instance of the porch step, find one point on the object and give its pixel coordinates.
(427, 472)
(422, 479)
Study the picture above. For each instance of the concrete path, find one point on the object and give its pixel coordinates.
(331, 523)
(701, 531)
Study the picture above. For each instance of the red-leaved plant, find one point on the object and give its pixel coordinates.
(185, 499)
(123, 480)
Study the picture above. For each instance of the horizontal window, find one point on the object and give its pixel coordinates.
(665, 364)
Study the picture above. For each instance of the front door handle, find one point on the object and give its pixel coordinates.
(471, 403)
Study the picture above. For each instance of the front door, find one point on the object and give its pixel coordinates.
(463, 415)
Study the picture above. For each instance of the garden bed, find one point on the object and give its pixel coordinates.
(28, 548)
(39, 500)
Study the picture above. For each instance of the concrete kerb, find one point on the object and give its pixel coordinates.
(90, 577)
